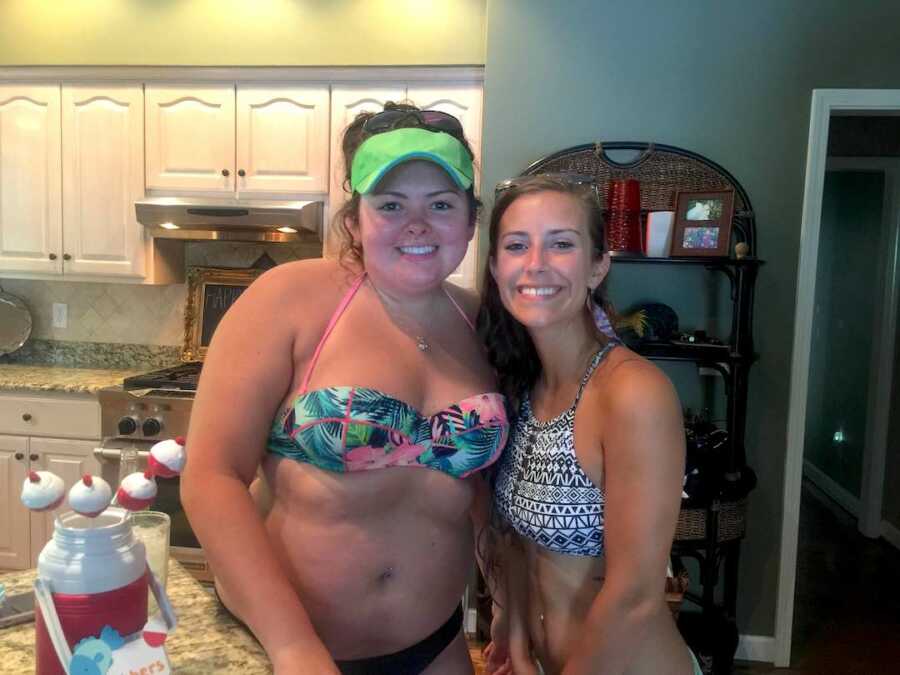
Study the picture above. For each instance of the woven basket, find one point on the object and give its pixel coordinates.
(732, 522)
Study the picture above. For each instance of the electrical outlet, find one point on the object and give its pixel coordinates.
(60, 315)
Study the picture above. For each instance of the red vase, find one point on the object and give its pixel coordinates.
(624, 216)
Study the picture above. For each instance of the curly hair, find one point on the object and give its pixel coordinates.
(510, 348)
(347, 216)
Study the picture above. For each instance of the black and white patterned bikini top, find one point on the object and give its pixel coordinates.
(541, 489)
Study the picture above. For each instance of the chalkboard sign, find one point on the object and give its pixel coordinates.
(211, 292)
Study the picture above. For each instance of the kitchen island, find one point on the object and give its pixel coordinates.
(206, 640)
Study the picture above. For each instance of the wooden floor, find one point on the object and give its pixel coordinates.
(847, 605)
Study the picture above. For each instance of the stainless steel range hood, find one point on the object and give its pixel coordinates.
(231, 220)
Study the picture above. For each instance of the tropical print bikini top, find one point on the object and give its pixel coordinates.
(348, 428)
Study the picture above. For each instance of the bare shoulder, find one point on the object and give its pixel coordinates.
(293, 281)
(628, 384)
(467, 299)
(293, 301)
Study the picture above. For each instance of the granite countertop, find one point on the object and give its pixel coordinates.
(80, 367)
(15, 376)
(206, 640)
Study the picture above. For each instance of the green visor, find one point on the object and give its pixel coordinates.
(382, 152)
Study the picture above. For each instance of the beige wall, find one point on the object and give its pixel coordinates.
(242, 32)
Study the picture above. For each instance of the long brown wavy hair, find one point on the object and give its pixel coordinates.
(509, 346)
(347, 217)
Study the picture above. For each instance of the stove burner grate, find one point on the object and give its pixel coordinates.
(183, 377)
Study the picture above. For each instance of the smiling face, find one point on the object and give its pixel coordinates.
(414, 228)
(545, 260)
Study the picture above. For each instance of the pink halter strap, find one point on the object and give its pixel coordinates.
(342, 306)
(348, 296)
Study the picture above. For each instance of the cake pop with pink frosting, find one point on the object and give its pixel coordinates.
(42, 491)
(90, 496)
(137, 491)
(167, 458)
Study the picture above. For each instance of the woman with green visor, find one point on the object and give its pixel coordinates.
(360, 387)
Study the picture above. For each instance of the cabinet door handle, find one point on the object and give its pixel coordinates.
(66, 256)
(52, 256)
(226, 172)
(34, 457)
(241, 173)
(20, 455)
(26, 417)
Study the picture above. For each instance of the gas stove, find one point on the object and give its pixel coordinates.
(144, 410)
(149, 407)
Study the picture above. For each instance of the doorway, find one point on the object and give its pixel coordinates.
(825, 105)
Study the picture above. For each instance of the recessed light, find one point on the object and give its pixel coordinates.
(287, 230)
(169, 226)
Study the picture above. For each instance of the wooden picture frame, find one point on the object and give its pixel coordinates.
(211, 291)
(703, 223)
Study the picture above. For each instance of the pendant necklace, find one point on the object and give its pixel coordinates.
(421, 342)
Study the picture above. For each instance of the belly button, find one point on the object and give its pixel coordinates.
(386, 575)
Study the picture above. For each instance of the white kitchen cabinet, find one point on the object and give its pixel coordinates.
(31, 430)
(70, 460)
(190, 137)
(103, 175)
(30, 183)
(463, 100)
(15, 527)
(243, 141)
(23, 533)
(71, 168)
(282, 139)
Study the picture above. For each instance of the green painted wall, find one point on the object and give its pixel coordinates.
(731, 80)
(242, 32)
(840, 358)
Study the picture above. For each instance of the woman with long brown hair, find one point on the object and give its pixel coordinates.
(589, 487)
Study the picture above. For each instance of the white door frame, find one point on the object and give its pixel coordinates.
(824, 103)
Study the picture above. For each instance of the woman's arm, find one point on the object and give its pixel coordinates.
(246, 375)
(643, 466)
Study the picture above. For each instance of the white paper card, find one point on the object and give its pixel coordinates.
(659, 233)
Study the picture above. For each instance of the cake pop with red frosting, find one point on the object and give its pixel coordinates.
(42, 491)
(90, 496)
(137, 491)
(167, 458)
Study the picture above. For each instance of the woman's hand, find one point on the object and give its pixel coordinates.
(496, 654)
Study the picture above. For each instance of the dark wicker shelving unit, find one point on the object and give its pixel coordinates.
(712, 533)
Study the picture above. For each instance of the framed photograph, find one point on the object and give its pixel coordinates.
(703, 223)
(211, 291)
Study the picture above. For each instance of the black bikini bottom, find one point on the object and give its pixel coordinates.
(412, 660)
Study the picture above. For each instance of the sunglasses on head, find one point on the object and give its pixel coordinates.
(395, 119)
(579, 179)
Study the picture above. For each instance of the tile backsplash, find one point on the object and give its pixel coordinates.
(134, 313)
(128, 313)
